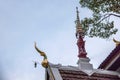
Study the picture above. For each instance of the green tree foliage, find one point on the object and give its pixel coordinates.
(99, 25)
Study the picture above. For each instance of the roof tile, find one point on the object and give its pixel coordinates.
(78, 75)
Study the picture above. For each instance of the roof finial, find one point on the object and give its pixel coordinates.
(83, 62)
(79, 30)
(117, 42)
(45, 62)
(80, 36)
(77, 13)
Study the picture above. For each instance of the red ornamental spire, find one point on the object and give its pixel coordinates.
(80, 35)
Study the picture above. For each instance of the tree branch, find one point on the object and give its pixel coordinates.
(115, 15)
(108, 15)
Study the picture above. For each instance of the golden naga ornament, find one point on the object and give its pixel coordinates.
(39, 51)
(117, 42)
(45, 61)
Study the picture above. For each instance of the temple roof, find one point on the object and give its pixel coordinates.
(74, 73)
(84, 70)
(112, 62)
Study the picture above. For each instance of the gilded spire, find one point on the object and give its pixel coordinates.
(77, 13)
(80, 35)
(79, 30)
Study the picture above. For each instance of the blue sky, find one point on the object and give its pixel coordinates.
(51, 24)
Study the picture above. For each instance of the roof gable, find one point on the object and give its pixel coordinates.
(112, 60)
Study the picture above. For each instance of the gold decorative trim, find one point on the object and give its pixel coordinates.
(45, 61)
(116, 42)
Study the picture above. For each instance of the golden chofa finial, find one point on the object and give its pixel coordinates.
(116, 42)
(45, 61)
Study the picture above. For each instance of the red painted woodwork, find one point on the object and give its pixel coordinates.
(81, 47)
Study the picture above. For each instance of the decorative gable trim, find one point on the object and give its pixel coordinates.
(110, 57)
(56, 74)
